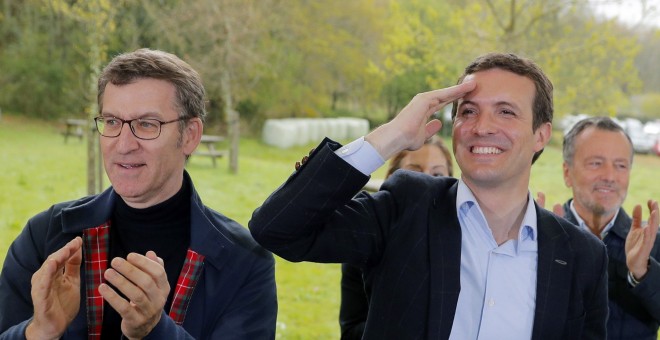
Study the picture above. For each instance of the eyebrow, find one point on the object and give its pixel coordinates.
(498, 103)
(145, 115)
(605, 159)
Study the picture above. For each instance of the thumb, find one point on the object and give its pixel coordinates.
(432, 127)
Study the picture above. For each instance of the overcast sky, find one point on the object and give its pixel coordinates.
(629, 11)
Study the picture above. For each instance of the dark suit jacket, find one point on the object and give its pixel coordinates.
(407, 239)
(634, 312)
(354, 306)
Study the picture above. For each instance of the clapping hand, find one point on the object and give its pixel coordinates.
(142, 279)
(640, 240)
(56, 292)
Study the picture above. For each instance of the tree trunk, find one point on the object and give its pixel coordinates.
(93, 162)
(231, 117)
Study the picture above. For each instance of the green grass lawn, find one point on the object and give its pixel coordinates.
(38, 169)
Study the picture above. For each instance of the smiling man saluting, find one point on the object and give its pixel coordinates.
(472, 258)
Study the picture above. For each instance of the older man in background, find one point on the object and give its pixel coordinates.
(598, 157)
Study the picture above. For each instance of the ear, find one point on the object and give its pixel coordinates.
(567, 177)
(542, 135)
(192, 134)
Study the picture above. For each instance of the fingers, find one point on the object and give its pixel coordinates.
(56, 291)
(641, 238)
(138, 277)
(56, 262)
(540, 199)
(71, 250)
(72, 265)
(142, 279)
(437, 99)
(653, 216)
(558, 210)
(411, 127)
(432, 128)
(637, 217)
(653, 220)
(449, 94)
(152, 256)
(653, 210)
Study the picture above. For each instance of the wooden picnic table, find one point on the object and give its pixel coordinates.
(209, 150)
(74, 128)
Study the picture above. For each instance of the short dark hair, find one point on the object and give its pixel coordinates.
(146, 63)
(542, 106)
(600, 123)
(395, 162)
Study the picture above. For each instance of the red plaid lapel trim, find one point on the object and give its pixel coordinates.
(95, 247)
(192, 268)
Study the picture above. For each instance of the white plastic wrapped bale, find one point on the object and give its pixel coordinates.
(280, 133)
(355, 127)
(285, 133)
(315, 129)
(336, 129)
(303, 130)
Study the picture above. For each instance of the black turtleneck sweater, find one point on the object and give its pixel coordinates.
(163, 228)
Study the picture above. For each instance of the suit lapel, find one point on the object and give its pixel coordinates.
(444, 249)
(554, 277)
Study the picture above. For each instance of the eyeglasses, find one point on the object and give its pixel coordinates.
(142, 128)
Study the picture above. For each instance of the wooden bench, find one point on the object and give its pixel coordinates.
(210, 141)
(74, 128)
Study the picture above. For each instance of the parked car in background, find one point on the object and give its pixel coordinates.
(643, 142)
(653, 128)
(645, 137)
(567, 122)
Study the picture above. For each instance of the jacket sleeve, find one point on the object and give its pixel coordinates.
(313, 216)
(166, 328)
(23, 259)
(648, 290)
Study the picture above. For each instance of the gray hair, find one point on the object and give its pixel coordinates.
(600, 123)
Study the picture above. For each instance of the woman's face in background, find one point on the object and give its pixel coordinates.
(428, 159)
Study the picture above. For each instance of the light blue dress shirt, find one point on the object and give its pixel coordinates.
(498, 283)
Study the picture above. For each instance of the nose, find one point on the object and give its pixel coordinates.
(126, 141)
(483, 124)
(608, 172)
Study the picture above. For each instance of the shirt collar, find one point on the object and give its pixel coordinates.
(582, 224)
(465, 199)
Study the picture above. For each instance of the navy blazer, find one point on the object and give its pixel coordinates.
(407, 239)
(234, 298)
(634, 312)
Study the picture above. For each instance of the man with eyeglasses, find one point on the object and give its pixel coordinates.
(145, 258)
